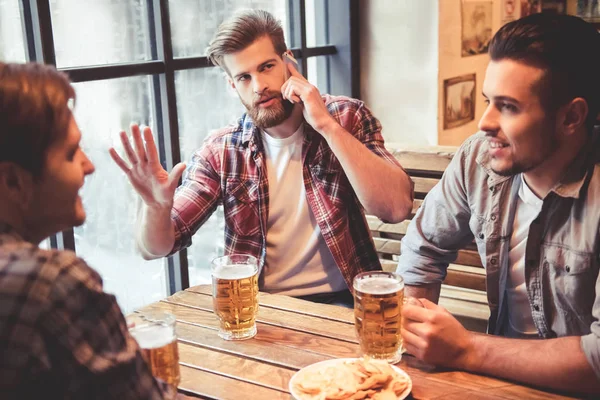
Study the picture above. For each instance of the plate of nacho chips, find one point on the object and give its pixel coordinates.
(350, 379)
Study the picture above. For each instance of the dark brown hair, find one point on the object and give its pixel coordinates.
(34, 113)
(565, 47)
(243, 29)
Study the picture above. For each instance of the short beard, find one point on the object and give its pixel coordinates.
(265, 118)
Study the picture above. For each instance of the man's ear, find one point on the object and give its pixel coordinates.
(573, 115)
(16, 183)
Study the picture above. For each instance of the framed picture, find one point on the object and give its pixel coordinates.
(459, 101)
(476, 27)
(509, 10)
(529, 7)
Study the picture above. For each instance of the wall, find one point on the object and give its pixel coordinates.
(399, 67)
(451, 65)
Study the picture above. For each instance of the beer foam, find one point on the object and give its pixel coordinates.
(152, 336)
(379, 285)
(234, 271)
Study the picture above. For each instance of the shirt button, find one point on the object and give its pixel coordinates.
(536, 307)
(481, 236)
(568, 269)
(493, 217)
(492, 188)
(493, 260)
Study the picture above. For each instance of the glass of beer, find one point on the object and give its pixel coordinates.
(235, 295)
(155, 333)
(378, 299)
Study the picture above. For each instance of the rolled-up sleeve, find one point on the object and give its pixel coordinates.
(197, 198)
(439, 229)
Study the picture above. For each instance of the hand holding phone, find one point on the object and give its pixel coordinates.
(288, 58)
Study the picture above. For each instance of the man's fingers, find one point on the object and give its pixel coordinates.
(415, 313)
(175, 174)
(428, 304)
(128, 149)
(138, 143)
(118, 160)
(293, 71)
(412, 341)
(151, 150)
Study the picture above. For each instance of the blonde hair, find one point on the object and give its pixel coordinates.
(243, 29)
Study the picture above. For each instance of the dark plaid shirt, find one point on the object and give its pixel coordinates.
(61, 336)
(230, 170)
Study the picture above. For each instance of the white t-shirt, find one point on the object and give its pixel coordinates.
(520, 321)
(298, 262)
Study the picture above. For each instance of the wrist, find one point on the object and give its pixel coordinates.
(470, 359)
(328, 128)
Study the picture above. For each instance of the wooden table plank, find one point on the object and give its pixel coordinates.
(277, 354)
(251, 371)
(286, 319)
(518, 392)
(298, 306)
(291, 335)
(214, 386)
(266, 333)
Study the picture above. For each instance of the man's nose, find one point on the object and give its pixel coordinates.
(489, 120)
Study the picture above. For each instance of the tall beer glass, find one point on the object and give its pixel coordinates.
(155, 333)
(378, 298)
(235, 295)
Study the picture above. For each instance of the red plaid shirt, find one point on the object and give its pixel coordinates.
(230, 170)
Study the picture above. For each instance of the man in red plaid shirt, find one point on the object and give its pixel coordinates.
(294, 175)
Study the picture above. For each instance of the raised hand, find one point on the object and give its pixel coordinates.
(149, 179)
(298, 89)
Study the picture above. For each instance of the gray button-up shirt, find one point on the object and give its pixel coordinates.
(562, 251)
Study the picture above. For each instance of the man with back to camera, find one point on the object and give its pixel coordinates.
(61, 336)
(293, 175)
(527, 189)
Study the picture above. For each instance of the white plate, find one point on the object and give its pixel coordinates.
(330, 363)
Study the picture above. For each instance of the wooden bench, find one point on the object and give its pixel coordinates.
(463, 290)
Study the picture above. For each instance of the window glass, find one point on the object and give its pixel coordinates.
(106, 240)
(194, 22)
(12, 43)
(316, 28)
(318, 73)
(92, 32)
(205, 102)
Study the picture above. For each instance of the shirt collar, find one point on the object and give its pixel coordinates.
(576, 175)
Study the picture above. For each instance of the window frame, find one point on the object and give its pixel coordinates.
(341, 66)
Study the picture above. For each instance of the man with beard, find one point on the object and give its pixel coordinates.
(293, 175)
(527, 189)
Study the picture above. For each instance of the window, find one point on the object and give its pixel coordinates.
(144, 61)
(12, 44)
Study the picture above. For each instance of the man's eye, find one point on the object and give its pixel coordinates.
(243, 78)
(508, 107)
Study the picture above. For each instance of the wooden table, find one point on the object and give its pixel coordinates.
(292, 334)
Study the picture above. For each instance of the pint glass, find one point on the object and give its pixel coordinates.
(235, 295)
(378, 298)
(155, 333)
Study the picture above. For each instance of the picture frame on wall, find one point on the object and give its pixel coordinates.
(476, 27)
(529, 7)
(459, 100)
(509, 10)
